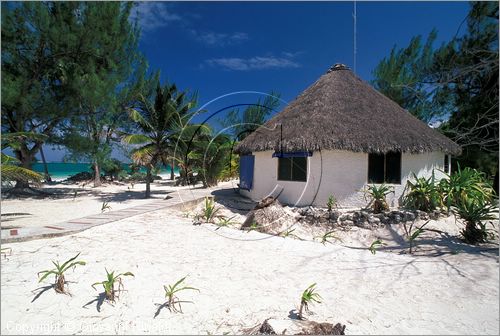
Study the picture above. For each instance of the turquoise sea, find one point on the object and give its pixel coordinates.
(63, 170)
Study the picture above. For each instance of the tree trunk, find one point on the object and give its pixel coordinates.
(26, 158)
(148, 181)
(172, 176)
(97, 175)
(45, 168)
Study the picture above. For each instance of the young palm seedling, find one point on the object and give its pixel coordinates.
(59, 273)
(377, 196)
(210, 211)
(105, 206)
(327, 236)
(171, 295)
(223, 221)
(376, 244)
(331, 203)
(308, 296)
(412, 235)
(110, 282)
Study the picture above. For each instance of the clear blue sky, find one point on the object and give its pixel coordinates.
(222, 47)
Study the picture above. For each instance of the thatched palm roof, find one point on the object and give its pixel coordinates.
(340, 111)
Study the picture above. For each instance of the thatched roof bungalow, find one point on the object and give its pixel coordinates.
(335, 138)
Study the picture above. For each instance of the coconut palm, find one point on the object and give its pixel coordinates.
(160, 118)
(11, 171)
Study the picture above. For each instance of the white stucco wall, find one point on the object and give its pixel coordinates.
(341, 173)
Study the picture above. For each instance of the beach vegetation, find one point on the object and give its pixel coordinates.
(59, 271)
(412, 232)
(113, 284)
(173, 303)
(210, 211)
(377, 197)
(422, 193)
(375, 245)
(331, 203)
(328, 236)
(475, 213)
(309, 295)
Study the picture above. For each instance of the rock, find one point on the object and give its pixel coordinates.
(374, 220)
(297, 327)
(347, 222)
(269, 217)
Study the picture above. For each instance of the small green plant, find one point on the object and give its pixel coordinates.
(475, 212)
(253, 226)
(422, 194)
(171, 295)
(109, 284)
(325, 238)
(105, 206)
(377, 196)
(412, 234)
(309, 296)
(331, 203)
(289, 233)
(376, 244)
(223, 221)
(58, 272)
(210, 211)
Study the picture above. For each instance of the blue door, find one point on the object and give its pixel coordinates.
(246, 171)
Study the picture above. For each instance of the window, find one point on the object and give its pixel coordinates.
(384, 168)
(446, 163)
(292, 169)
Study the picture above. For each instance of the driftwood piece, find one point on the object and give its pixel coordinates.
(296, 327)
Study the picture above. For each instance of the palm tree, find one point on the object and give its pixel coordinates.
(11, 171)
(160, 119)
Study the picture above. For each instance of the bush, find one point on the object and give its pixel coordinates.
(112, 168)
(377, 195)
(474, 212)
(422, 194)
(465, 184)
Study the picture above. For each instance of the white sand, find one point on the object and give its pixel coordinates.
(64, 206)
(243, 279)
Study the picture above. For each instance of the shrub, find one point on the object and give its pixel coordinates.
(109, 284)
(422, 194)
(59, 273)
(112, 168)
(465, 184)
(377, 197)
(474, 212)
(308, 296)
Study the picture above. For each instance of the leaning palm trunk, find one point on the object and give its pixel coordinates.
(45, 168)
(148, 181)
(172, 176)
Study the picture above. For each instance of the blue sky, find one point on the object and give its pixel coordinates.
(216, 48)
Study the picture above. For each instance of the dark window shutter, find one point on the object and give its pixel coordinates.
(375, 168)
(393, 168)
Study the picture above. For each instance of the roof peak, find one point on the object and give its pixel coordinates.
(338, 66)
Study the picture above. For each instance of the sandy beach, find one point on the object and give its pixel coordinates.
(243, 278)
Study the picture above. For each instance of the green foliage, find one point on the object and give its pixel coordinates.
(171, 294)
(474, 212)
(325, 238)
(412, 234)
(376, 244)
(309, 296)
(331, 203)
(241, 124)
(223, 221)
(11, 172)
(160, 125)
(377, 194)
(465, 184)
(110, 282)
(59, 271)
(400, 76)
(422, 193)
(210, 210)
(113, 168)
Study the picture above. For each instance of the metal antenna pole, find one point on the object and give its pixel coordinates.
(354, 36)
